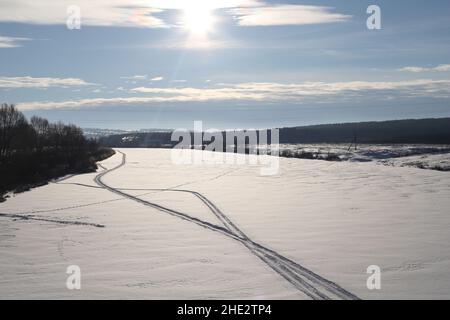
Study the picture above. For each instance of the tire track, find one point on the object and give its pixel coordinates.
(207, 225)
(305, 280)
(290, 270)
(212, 207)
(68, 208)
(79, 184)
(37, 218)
(328, 286)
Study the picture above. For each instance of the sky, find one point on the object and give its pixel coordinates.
(140, 64)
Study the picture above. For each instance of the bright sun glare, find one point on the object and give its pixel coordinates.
(198, 18)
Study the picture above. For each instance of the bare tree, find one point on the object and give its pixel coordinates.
(41, 128)
(32, 153)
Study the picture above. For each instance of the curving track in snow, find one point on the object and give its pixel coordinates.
(305, 280)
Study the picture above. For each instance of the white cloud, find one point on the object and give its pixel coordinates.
(210, 4)
(136, 77)
(286, 15)
(412, 69)
(311, 92)
(123, 13)
(40, 83)
(144, 13)
(439, 68)
(297, 92)
(11, 42)
(157, 79)
(442, 68)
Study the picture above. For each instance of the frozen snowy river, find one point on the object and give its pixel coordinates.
(225, 231)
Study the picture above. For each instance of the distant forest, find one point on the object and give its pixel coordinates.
(424, 131)
(33, 152)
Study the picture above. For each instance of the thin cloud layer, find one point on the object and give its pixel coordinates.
(11, 42)
(310, 92)
(286, 15)
(278, 91)
(124, 13)
(135, 77)
(439, 68)
(146, 13)
(40, 83)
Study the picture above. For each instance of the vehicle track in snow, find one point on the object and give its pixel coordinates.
(295, 272)
(45, 219)
(303, 279)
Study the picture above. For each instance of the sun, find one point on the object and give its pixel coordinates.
(198, 18)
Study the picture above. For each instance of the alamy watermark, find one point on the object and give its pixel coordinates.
(374, 20)
(73, 21)
(254, 147)
(73, 281)
(374, 280)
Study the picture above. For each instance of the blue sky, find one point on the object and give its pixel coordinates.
(231, 63)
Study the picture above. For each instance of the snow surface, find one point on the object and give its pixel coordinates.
(434, 157)
(334, 218)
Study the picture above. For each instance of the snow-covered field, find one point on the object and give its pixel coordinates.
(434, 157)
(309, 232)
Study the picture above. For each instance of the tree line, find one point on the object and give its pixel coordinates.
(423, 131)
(35, 151)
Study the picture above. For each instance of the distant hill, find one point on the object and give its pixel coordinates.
(425, 131)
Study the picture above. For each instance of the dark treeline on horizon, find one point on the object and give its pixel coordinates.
(423, 131)
(426, 131)
(32, 152)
